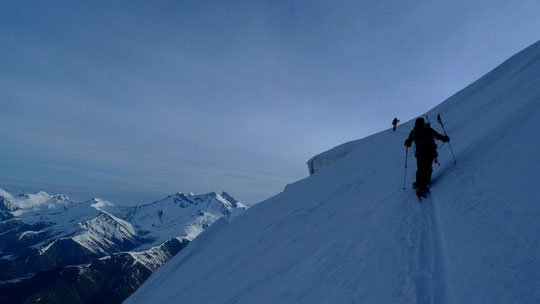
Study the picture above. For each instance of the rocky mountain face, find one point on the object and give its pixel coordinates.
(54, 250)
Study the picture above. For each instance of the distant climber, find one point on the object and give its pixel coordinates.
(394, 123)
(426, 153)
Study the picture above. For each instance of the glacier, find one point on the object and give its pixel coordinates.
(349, 233)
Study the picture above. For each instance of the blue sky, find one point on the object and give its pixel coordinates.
(133, 100)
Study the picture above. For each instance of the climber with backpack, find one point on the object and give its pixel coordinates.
(426, 153)
(394, 123)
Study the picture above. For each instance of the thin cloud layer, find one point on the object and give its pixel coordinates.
(137, 100)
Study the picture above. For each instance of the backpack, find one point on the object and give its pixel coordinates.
(425, 142)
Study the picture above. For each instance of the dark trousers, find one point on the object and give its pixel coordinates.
(424, 170)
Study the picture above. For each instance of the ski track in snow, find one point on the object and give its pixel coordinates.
(428, 268)
(431, 282)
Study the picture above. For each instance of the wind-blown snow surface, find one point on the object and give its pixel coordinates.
(350, 234)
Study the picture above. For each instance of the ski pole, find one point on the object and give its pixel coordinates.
(405, 175)
(449, 146)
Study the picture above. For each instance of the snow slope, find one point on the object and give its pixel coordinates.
(350, 234)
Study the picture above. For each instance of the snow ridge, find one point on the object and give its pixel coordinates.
(348, 233)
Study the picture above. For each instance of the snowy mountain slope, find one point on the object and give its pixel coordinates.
(51, 232)
(42, 235)
(40, 220)
(350, 234)
(106, 280)
(192, 212)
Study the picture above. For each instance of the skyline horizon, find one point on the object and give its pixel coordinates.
(132, 103)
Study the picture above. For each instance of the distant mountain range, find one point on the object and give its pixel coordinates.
(54, 250)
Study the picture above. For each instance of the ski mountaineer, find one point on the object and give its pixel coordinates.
(394, 123)
(426, 153)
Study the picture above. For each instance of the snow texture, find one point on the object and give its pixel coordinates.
(349, 233)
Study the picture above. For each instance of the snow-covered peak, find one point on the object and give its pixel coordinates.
(100, 204)
(51, 230)
(31, 201)
(232, 200)
(221, 201)
(5, 194)
(94, 223)
(181, 215)
(133, 241)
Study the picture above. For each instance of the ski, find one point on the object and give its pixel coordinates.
(420, 192)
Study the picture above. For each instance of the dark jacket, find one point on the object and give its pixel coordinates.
(424, 139)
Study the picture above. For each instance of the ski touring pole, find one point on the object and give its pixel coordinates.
(449, 146)
(405, 175)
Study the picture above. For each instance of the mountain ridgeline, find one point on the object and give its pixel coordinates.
(54, 250)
